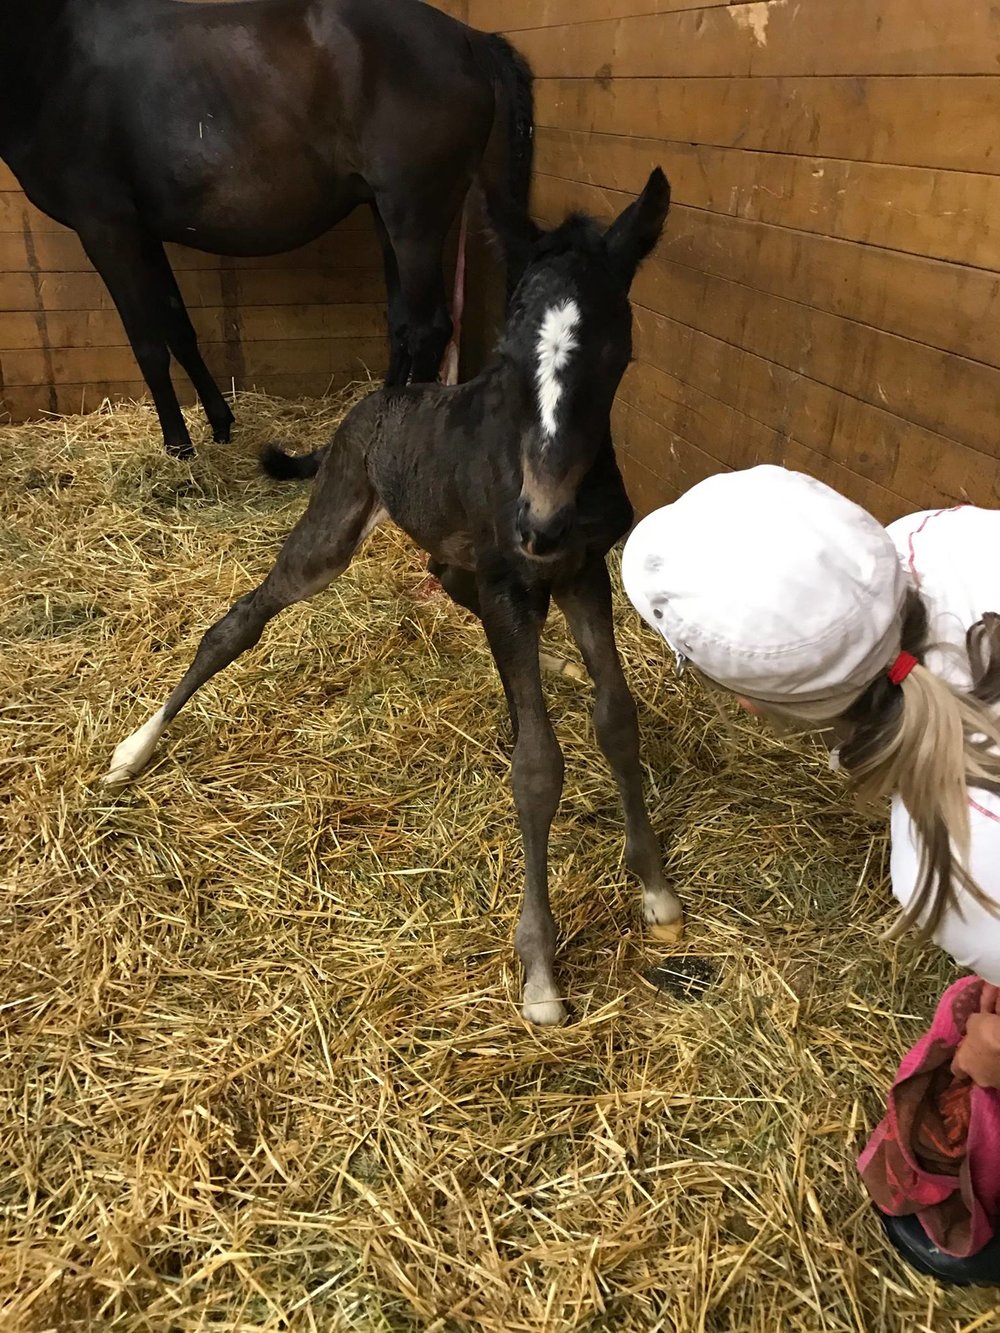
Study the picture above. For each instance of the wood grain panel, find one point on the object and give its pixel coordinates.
(947, 394)
(515, 16)
(903, 294)
(24, 402)
(942, 215)
(659, 463)
(16, 210)
(84, 365)
(878, 445)
(942, 122)
(777, 39)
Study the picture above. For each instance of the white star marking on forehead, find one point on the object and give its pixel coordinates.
(555, 343)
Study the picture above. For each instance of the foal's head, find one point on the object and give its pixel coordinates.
(570, 330)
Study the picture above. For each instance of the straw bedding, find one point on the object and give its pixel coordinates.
(262, 1062)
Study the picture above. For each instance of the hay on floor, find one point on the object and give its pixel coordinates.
(262, 1062)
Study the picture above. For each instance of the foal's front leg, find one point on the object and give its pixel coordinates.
(587, 605)
(512, 625)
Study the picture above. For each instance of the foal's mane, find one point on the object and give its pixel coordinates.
(579, 234)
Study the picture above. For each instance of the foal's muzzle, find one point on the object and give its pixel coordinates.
(543, 539)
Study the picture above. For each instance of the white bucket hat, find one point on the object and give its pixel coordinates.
(773, 585)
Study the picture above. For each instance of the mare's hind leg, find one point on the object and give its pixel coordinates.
(586, 604)
(183, 343)
(513, 621)
(125, 258)
(342, 511)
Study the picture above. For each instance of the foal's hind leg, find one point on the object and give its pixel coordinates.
(586, 604)
(512, 625)
(342, 511)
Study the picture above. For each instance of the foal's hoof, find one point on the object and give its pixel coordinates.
(223, 434)
(542, 1006)
(133, 754)
(180, 450)
(664, 916)
(544, 1013)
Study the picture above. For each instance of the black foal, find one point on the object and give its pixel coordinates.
(510, 483)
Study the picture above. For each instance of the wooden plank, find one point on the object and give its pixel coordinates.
(457, 9)
(291, 322)
(515, 16)
(674, 465)
(948, 306)
(86, 365)
(15, 208)
(948, 394)
(855, 37)
(662, 451)
(61, 252)
(777, 39)
(103, 328)
(949, 215)
(25, 402)
(722, 393)
(945, 122)
(202, 287)
(690, 43)
(288, 287)
(86, 291)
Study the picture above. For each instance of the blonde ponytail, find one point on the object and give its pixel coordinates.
(930, 743)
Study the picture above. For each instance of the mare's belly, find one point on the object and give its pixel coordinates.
(244, 212)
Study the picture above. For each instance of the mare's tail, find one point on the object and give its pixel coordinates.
(506, 170)
(289, 467)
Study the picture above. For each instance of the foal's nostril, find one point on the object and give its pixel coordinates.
(543, 539)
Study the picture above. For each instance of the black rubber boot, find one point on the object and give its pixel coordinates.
(920, 1252)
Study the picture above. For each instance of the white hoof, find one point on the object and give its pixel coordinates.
(542, 1005)
(544, 1013)
(664, 915)
(134, 753)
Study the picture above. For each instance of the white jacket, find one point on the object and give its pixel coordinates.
(953, 556)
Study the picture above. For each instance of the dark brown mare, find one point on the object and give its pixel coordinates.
(250, 128)
(510, 483)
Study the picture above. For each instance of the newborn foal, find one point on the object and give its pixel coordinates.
(510, 483)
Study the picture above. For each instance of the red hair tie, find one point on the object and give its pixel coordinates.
(902, 667)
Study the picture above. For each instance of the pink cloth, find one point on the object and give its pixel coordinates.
(959, 1212)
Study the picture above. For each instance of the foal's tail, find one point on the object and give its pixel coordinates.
(508, 186)
(289, 467)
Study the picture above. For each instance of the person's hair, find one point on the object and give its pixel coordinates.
(930, 743)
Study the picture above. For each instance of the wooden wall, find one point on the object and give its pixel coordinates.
(828, 294)
(298, 324)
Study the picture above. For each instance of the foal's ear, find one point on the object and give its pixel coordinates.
(635, 232)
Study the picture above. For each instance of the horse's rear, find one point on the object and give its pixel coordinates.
(256, 126)
(252, 127)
